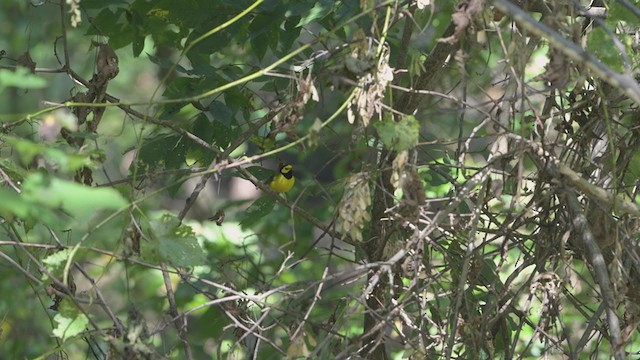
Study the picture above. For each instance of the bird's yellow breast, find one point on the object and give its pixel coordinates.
(281, 184)
(283, 181)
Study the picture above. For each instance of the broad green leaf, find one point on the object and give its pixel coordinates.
(122, 37)
(69, 327)
(221, 112)
(259, 172)
(618, 12)
(136, 21)
(265, 143)
(25, 148)
(259, 209)
(67, 162)
(166, 64)
(398, 135)
(262, 30)
(164, 151)
(79, 201)
(107, 22)
(223, 134)
(290, 34)
(9, 164)
(236, 100)
(21, 78)
(12, 204)
(633, 172)
(169, 241)
(599, 43)
(184, 87)
(183, 251)
(203, 128)
(320, 10)
(56, 261)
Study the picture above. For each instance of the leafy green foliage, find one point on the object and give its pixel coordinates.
(67, 161)
(14, 205)
(20, 78)
(69, 324)
(153, 154)
(599, 44)
(42, 196)
(260, 173)
(398, 135)
(169, 241)
(618, 13)
(258, 209)
(79, 202)
(57, 261)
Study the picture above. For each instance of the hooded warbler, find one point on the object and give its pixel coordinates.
(282, 181)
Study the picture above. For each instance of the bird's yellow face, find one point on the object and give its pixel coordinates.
(286, 169)
(284, 180)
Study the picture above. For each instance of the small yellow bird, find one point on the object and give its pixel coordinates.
(282, 181)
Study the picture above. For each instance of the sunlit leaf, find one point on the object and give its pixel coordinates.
(319, 10)
(20, 78)
(79, 201)
(69, 327)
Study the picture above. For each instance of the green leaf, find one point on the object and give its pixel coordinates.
(56, 261)
(21, 78)
(12, 204)
(203, 128)
(169, 241)
(26, 149)
(399, 135)
(57, 258)
(79, 201)
(290, 33)
(184, 87)
(259, 209)
(261, 30)
(67, 162)
(137, 22)
(69, 326)
(237, 100)
(107, 21)
(164, 151)
(221, 112)
(122, 37)
(259, 172)
(264, 143)
(223, 135)
(320, 10)
(618, 12)
(599, 43)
